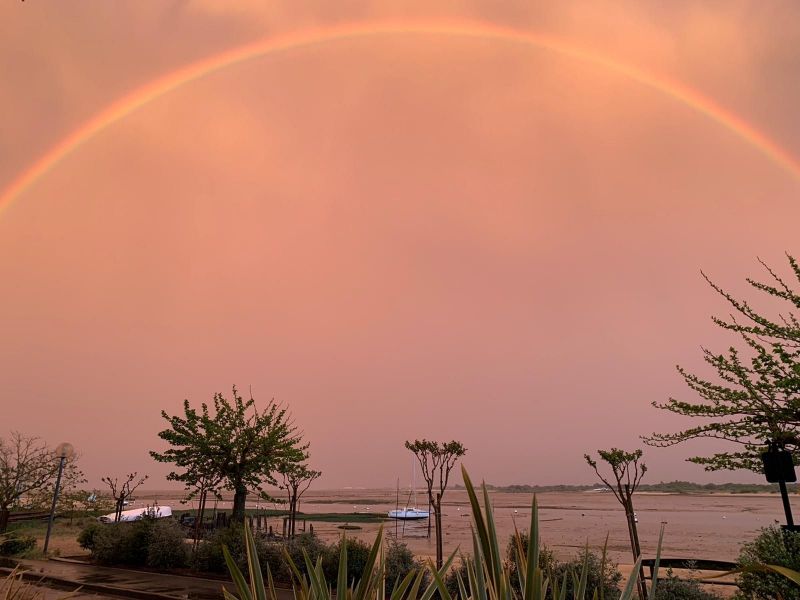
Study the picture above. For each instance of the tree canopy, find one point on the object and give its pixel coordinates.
(233, 443)
(756, 396)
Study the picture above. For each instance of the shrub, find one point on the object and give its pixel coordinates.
(14, 544)
(151, 542)
(399, 561)
(605, 578)
(313, 546)
(772, 547)
(602, 577)
(166, 546)
(209, 556)
(674, 588)
(357, 555)
(87, 536)
(459, 570)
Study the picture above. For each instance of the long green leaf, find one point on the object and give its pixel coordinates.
(580, 592)
(431, 590)
(257, 587)
(630, 587)
(363, 586)
(654, 583)
(477, 514)
(341, 579)
(399, 590)
(236, 575)
(533, 547)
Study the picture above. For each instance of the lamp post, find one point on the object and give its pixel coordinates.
(63, 452)
(779, 468)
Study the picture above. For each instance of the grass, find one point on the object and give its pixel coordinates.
(62, 538)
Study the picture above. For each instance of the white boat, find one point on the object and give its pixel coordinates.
(408, 514)
(156, 512)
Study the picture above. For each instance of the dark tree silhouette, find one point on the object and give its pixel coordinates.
(237, 447)
(755, 398)
(627, 472)
(122, 490)
(296, 479)
(436, 460)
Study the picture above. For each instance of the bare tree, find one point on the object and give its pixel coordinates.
(297, 478)
(627, 471)
(123, 490)
(27, 465)
(436, 460)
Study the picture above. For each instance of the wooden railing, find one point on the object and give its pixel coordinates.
(691, 564)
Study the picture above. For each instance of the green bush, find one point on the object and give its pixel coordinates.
(88, 535)
(399, 561)
(357, 555)
(772, 547)
(605, 578)
(166, 545)
(15, 544)
(155, 543)
(674, 588)
(209, 557)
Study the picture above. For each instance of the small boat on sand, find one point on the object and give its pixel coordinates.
(156, 512)
(408, 514)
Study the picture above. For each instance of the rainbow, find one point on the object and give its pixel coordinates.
(157, 88)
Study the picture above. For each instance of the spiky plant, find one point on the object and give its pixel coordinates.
(489, 577)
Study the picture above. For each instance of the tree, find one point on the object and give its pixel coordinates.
(122, 491)
(436, 460)
(297, 478)
(627, 471)
(756, 398)
(238, 444)
(27, 465)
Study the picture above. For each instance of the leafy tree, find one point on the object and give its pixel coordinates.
(436, 460)
(627, 472)
(297, 478)
(756, 398)
(236, 445)
(27, 466)
(123, 489)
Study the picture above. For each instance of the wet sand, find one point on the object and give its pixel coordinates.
(709, 526)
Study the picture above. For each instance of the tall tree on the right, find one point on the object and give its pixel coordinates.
(755, 398)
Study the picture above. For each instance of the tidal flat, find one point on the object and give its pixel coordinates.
(698, 525)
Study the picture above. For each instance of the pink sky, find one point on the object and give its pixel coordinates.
(399, 237)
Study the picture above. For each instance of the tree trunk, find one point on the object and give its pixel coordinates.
(4, 514)
(118, 509)
(198, 518)
(437, 507)
(239, 500)
(635, 547)
(429, 514)
(292, 516)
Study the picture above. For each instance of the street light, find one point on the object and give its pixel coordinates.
(779, 468)
(63, 452)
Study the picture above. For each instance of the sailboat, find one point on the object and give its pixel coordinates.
(410, 514)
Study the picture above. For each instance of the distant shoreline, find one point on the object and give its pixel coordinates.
(671, 487)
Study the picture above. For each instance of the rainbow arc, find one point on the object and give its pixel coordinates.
(165, 84)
